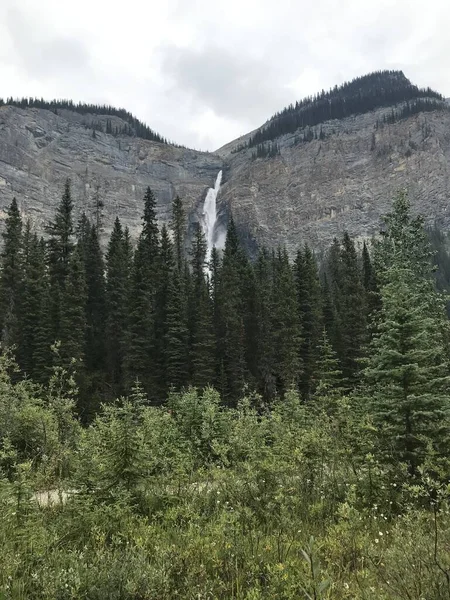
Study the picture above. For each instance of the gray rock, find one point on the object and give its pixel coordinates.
(310, 193)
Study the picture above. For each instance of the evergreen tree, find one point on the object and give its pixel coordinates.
(118, 267)
(142, 360)
(332, 299)
(202, 340)
(285, 324)
(352, 312)
(309, 303)
(73, 312)
(60, 247)
(328, 380)
(33, 295)
(42, 347)
(231, 329)
(95, 303)
(11, 277)
(171, 322)
(265, 354)
(177, 333)
(372, 301)
(178, 227)
(407, 375)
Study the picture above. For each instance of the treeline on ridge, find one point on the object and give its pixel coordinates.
(361, 95)
(134, 127)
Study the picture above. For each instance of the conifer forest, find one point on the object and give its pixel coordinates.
(274, 428)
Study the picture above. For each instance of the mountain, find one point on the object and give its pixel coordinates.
(322, 165)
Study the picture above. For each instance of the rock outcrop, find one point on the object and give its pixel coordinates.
(39, 150)
(314, 191)
(310, 192)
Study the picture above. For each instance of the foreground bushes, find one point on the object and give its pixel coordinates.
(200, 501)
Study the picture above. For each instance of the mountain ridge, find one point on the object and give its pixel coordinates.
(307, 186)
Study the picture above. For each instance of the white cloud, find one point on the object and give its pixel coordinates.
(203, 72)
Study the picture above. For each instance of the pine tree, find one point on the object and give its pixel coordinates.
(202, 342)
(95, 303)
(33, 295)
(73, 312)
(332, 299)
(171, 321)
(328, 379)
(285, 324)
(352, 312)
(60, 247)
(142, 359)
(265, 354)
(44, 340)
(309, 303)
(11, 277)
(372, 300)
(231, 328)
(178, 227)
(118, 268)
(407, 376)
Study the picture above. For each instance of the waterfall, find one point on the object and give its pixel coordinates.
(210, 215)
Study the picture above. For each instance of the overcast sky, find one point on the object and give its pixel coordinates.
(203, 72)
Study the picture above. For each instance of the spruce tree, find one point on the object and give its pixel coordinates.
(202, 342)
(118, 268)
(352, 312)
(231, 329)
(33, 295)
(44, 336)
(170, 322)
(95, 302)
(372, 300)
(285, 324)
(11, 276)
(73, 312)
(142, 359)
(309, 304)
(328, 377)
(60, 247)
(407, 375)
(265, 354)
(178, 227)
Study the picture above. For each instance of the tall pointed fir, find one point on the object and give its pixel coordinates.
(202, 342)
(118, 269)
(328, 384)
(44, 336)
(60, 247)
(232, 366)
(95, 303)
(265, 353)
(352, 313)
(142, 360)
(73, 312)
(309, 304)
(285, 324)
(178, 224)
(172, 314)
(33, 296)
(332, 297)
(11, 277)
(372, 300)
(407, 376)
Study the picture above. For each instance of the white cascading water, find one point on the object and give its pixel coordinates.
(210, 215)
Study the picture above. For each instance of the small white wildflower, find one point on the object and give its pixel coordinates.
(376, 540)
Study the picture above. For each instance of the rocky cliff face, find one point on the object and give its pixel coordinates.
(40, 149)
(310, 192)
(314, 191)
